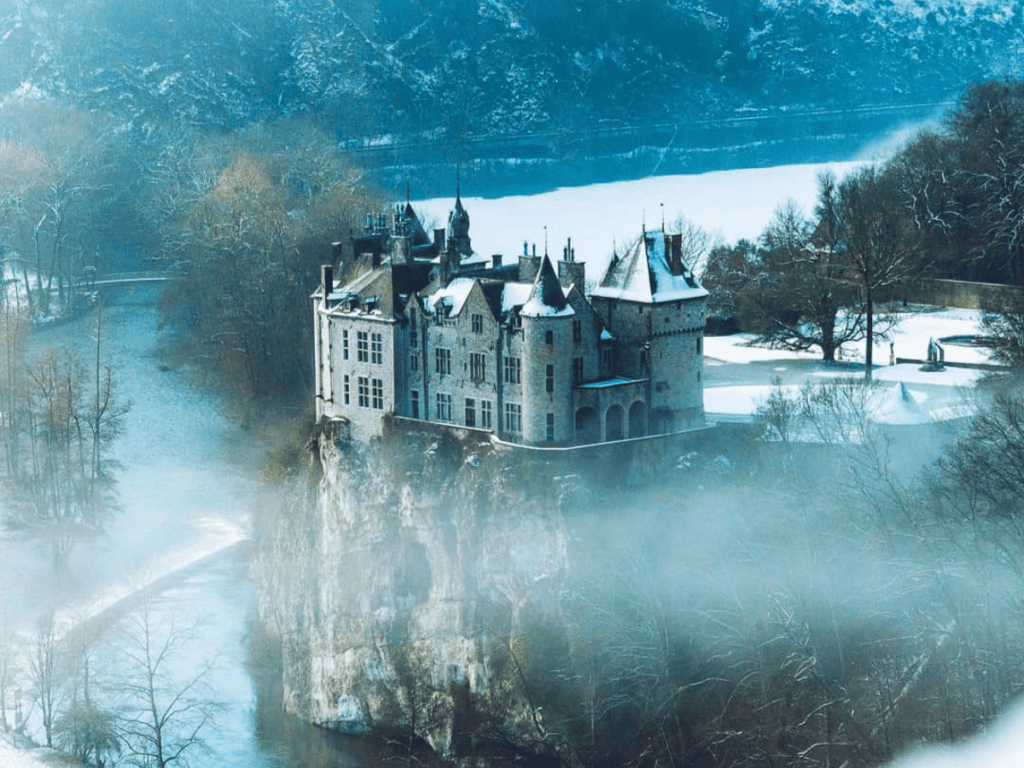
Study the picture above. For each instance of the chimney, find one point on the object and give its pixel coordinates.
(449, 263)
(327, 280)
(496, 261)
(674, 252)
(569, 271)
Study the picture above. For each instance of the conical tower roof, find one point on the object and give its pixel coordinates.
(546, 295)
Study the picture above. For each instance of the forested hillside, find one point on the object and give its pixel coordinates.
(498, 67)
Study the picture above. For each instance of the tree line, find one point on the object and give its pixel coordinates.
(59, 413)
(947, 205)
(240, 220)
(109, 695)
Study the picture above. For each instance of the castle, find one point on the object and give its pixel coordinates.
(426, 329)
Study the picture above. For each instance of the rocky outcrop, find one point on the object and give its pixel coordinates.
(406, 584)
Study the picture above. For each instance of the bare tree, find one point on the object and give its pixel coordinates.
(72, 417)
(799, 299)
(878, 243)
(13, 333)
(163, 718)
(9, 668)
(780, 412)
(85, 729)
(60, 154)
(45, 673)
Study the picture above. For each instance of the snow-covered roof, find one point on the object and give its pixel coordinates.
(546, 297)
(515, 295)
(645, 274)
(453, 296)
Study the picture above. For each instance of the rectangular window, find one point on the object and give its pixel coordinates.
(607, 358)
(478, 323)
(477, 367)
(376, 349)
(549, 376)
(513, 370)
(344, 345)
(414, 362)
(486, 411)
(577, 370)
(549, 337)
(442, 361)
(577, 331)
(414, 336)
(513, 417)
(444, 407)
(377, 391)
(345, 388)
(470, 412)
(698, 345)
(415, 402)
(364, 392)
(551, 428)
(362, 346)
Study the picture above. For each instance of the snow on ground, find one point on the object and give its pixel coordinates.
(928, 396)
(998, 747)
(599, 217)
(11, 757)
(729, 205)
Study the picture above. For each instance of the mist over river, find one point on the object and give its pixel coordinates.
(186, 484)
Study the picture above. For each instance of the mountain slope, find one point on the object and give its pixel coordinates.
(500, 67)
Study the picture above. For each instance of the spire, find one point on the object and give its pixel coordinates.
(458, 224)
(546, 288)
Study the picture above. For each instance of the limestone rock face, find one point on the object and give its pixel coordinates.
(405, 584)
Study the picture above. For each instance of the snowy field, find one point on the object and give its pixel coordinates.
(728, 205)
(933, 396)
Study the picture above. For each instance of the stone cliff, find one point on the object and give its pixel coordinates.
(407, 588)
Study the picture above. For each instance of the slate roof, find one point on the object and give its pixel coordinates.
(644, 274)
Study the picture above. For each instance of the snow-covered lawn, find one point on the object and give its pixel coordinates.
(10, 757)
(929, 395)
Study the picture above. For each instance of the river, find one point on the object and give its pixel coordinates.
(187, 483)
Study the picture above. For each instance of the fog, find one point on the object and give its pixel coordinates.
(840, 592)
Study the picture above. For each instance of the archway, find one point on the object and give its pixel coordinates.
(637, 419)
(588, 429)
(613, 423)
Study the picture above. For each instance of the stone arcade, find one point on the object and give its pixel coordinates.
(426, 329)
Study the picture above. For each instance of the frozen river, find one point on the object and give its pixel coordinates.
(187, 483)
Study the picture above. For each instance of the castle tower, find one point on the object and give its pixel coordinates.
(656, 309)
(547, 373)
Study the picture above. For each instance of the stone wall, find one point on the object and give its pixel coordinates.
(958, 293)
